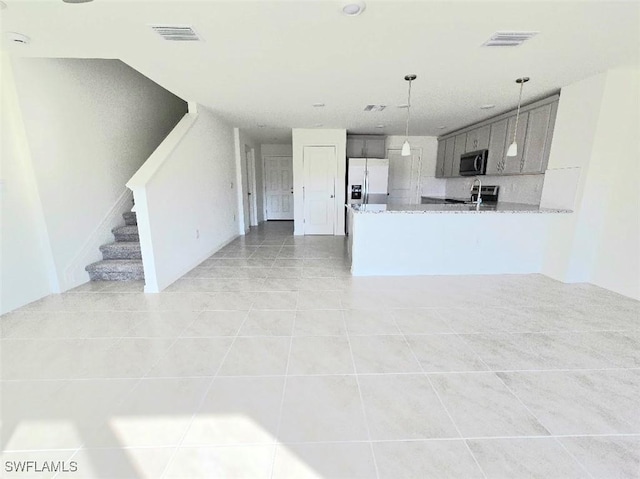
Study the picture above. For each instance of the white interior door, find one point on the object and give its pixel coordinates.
(320, 165)
(278, 175)
(403, 176)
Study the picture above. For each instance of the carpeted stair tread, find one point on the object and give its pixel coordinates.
(121, 250)
(116, 270)
(130, 218)
(126, 233)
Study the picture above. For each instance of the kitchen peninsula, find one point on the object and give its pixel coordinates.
(433, 239)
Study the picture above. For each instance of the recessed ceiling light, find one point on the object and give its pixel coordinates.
(441, 127)
(353, 9)
(379, 126)
(318, 125)
(318, 105)
(488, 106)
(77, 1)
(18, 38)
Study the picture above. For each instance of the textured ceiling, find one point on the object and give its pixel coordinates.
(267, 62)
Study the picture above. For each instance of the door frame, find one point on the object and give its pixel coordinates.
(250, 164)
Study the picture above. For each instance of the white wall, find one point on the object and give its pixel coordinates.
(315, 137)
(186, 198)
(599, 136)
(26, 262)
(267, 150)
(90, 124)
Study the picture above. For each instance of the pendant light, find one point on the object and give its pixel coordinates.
(406, 147)
(513, 147)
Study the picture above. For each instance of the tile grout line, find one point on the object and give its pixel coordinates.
(543, 425)
(355, 441)
(284, 391)
(364, 411)
(471, 348)
(202, 399)
(433, 388)
(524, 405)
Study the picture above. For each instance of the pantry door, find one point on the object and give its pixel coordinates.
(320, 165)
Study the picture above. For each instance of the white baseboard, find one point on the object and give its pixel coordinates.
(215, 249)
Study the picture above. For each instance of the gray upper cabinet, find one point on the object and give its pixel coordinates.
(538, 140)
(366, 146)
(535, 132)
(355, 147)
(449, 146)
(458, 150)
(478, 139)
(440, 160)
(497, 146)
(512, 164)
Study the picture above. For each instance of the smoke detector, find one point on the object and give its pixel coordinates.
(509, 39)
(176, 33)
(18, 38)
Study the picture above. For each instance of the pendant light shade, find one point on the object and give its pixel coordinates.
(406, 147)
(513, 147)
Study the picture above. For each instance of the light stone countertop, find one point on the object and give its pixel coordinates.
(454, 208)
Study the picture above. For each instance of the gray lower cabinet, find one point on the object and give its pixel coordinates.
(478, 139)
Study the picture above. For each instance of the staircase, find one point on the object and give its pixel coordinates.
(122, 260)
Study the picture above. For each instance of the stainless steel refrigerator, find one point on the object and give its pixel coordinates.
(367, 181)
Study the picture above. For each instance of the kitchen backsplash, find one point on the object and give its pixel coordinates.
(513, 189)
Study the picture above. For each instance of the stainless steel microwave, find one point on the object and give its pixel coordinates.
(474, 163)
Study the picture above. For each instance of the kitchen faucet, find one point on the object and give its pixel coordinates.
(478, 201)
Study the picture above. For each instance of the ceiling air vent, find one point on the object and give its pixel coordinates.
(508, 39)
(374, 107)
(176, 33)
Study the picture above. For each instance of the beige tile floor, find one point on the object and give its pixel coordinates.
(270, 361)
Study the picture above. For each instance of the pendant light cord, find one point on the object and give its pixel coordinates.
(408, 111)
(515, 131)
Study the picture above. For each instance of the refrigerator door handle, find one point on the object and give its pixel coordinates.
(365, 194)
